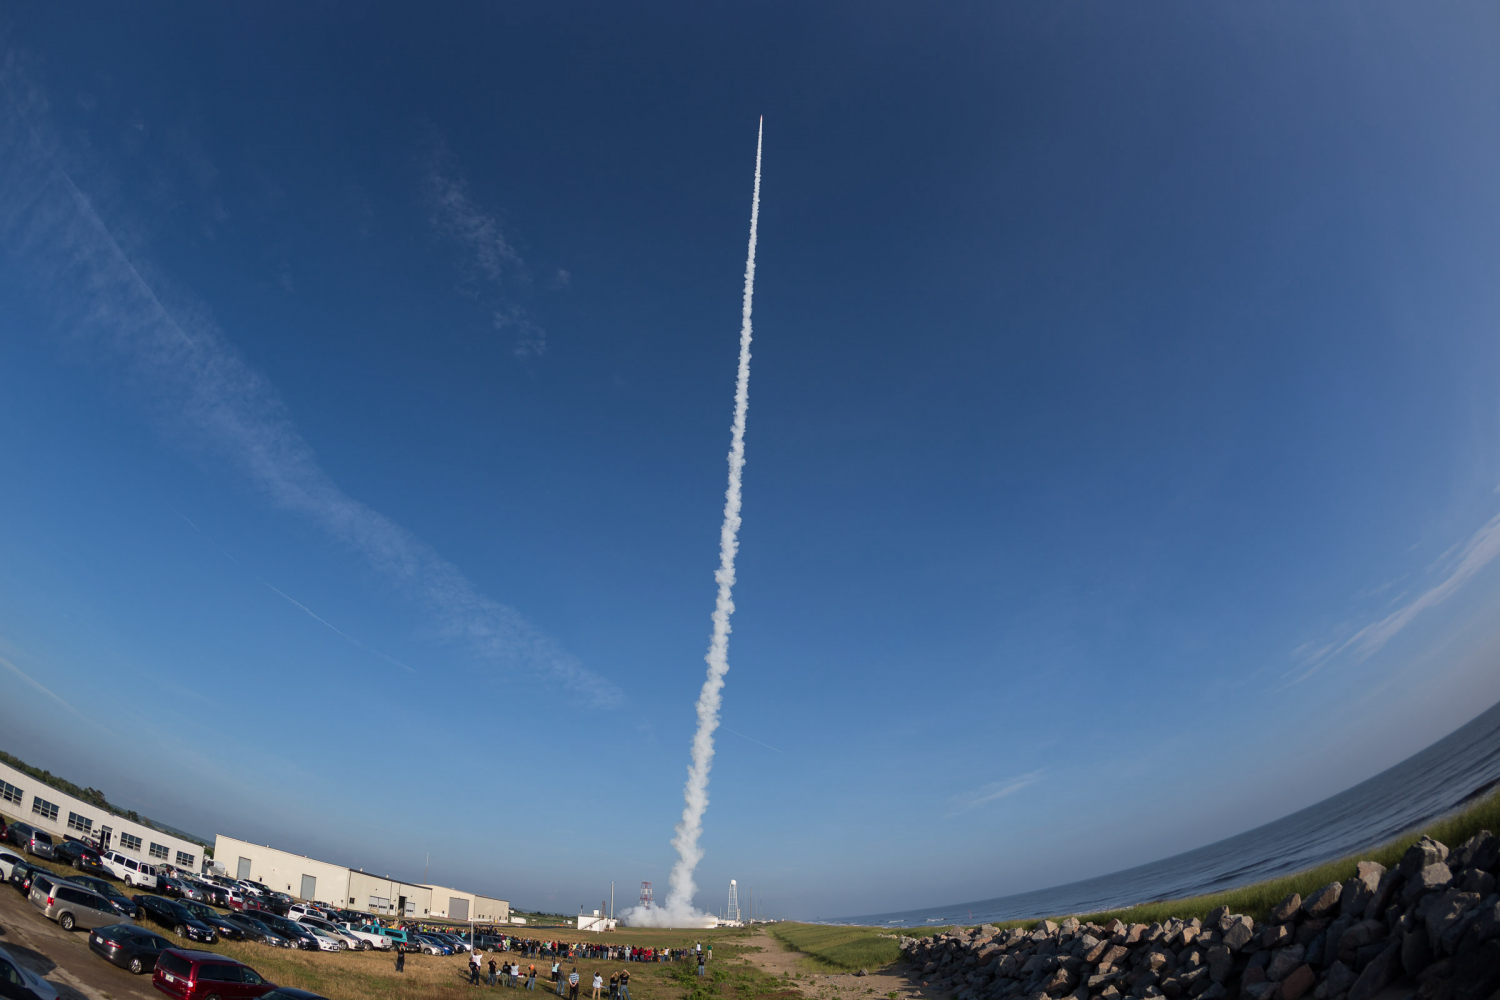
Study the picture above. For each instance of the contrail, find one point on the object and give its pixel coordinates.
(678, 908)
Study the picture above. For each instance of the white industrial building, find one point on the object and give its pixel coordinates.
(28, 800)
(323, 882)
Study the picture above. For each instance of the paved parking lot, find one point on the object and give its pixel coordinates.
(63, 958)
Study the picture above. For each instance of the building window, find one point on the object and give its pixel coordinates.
(80, 823)
(158, 851)
(184, 859)
(130, 843)
(10, 793)
(43, 808)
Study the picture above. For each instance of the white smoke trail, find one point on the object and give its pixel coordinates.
(678, 910)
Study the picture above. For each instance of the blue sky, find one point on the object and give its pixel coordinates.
(1123, 442)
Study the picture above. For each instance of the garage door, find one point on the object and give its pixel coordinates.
(309, 887)
(458, 909)
(244, 869)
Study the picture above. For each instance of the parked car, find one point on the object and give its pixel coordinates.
(277, 902)
(21, 983)
(128, 946)
(453, 941)
(287, 993)
(72, 905)
(80, 856)
(432, 945)
(403, 940)
(224, 928)
(170, 913)
(326, 941)
(214, 895)
(31, 840)
(129, 870)
(6, 860)
(257, 931)
(368, 934)
(195, 975)
(237, 899)
(121, 902)
(289, 929)
(21, 874)
(259, 888)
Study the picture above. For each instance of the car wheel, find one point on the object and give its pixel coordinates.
(342, 946)
(128, 882)
(180, 930)
(137, 966)
(65, 921)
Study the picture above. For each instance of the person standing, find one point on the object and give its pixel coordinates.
(625, 983)
(473, 970)
(700, 963)
(400, 958)
(598, 984)
(573, 984)
(492, 972)
(531, 976)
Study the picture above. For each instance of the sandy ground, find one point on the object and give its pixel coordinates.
(774, 958)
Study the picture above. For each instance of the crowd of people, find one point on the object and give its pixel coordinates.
(508, 971)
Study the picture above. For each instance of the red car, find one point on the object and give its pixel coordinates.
(202, 975)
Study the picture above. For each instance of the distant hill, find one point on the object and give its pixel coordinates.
(94, 796)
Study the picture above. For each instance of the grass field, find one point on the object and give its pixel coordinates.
(841, 949)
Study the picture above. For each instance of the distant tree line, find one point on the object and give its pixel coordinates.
(92, 796)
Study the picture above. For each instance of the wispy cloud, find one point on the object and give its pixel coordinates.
(33, 682)
(206, 396)
(1456, 567)
(993, 792)
(1475, 555)
(489, 254)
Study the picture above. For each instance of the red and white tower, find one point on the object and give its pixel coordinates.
(646, 895)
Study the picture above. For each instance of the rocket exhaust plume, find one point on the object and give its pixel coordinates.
(677, 910)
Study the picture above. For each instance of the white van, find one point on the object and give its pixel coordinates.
(129, 870)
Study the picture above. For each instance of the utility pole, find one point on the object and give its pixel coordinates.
(611, 901)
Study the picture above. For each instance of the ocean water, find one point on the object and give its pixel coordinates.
(1456, 769)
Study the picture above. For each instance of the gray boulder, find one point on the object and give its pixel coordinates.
(1321, 903)
(1284, 961)
(1422, 854)
(1464, 855)
(1447, 910)
(1259, 991)
(1285, 910)
(1239, 932)
(1476, 972)
(1434, 876)
(1340, 978)
(1416, 951)
(1380, 898)
(1379, 973)
(1220, 961)
(1475, 880)
(1488, 924)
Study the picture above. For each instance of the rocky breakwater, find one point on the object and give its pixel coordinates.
(1431, 925)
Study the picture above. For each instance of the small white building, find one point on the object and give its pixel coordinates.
(28, 800)
(596, 922)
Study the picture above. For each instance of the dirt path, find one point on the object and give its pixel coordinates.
(774, 958)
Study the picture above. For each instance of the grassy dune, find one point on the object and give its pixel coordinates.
(839, 948)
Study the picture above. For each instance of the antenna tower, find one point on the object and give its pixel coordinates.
(646, 895)
(733, 911)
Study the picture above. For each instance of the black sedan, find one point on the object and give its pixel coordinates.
(289, 929)
(117, 899)
(80, 856)
(225, 929)
(20, 876)
(128, 946)
(170, 913)
(257, 931)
